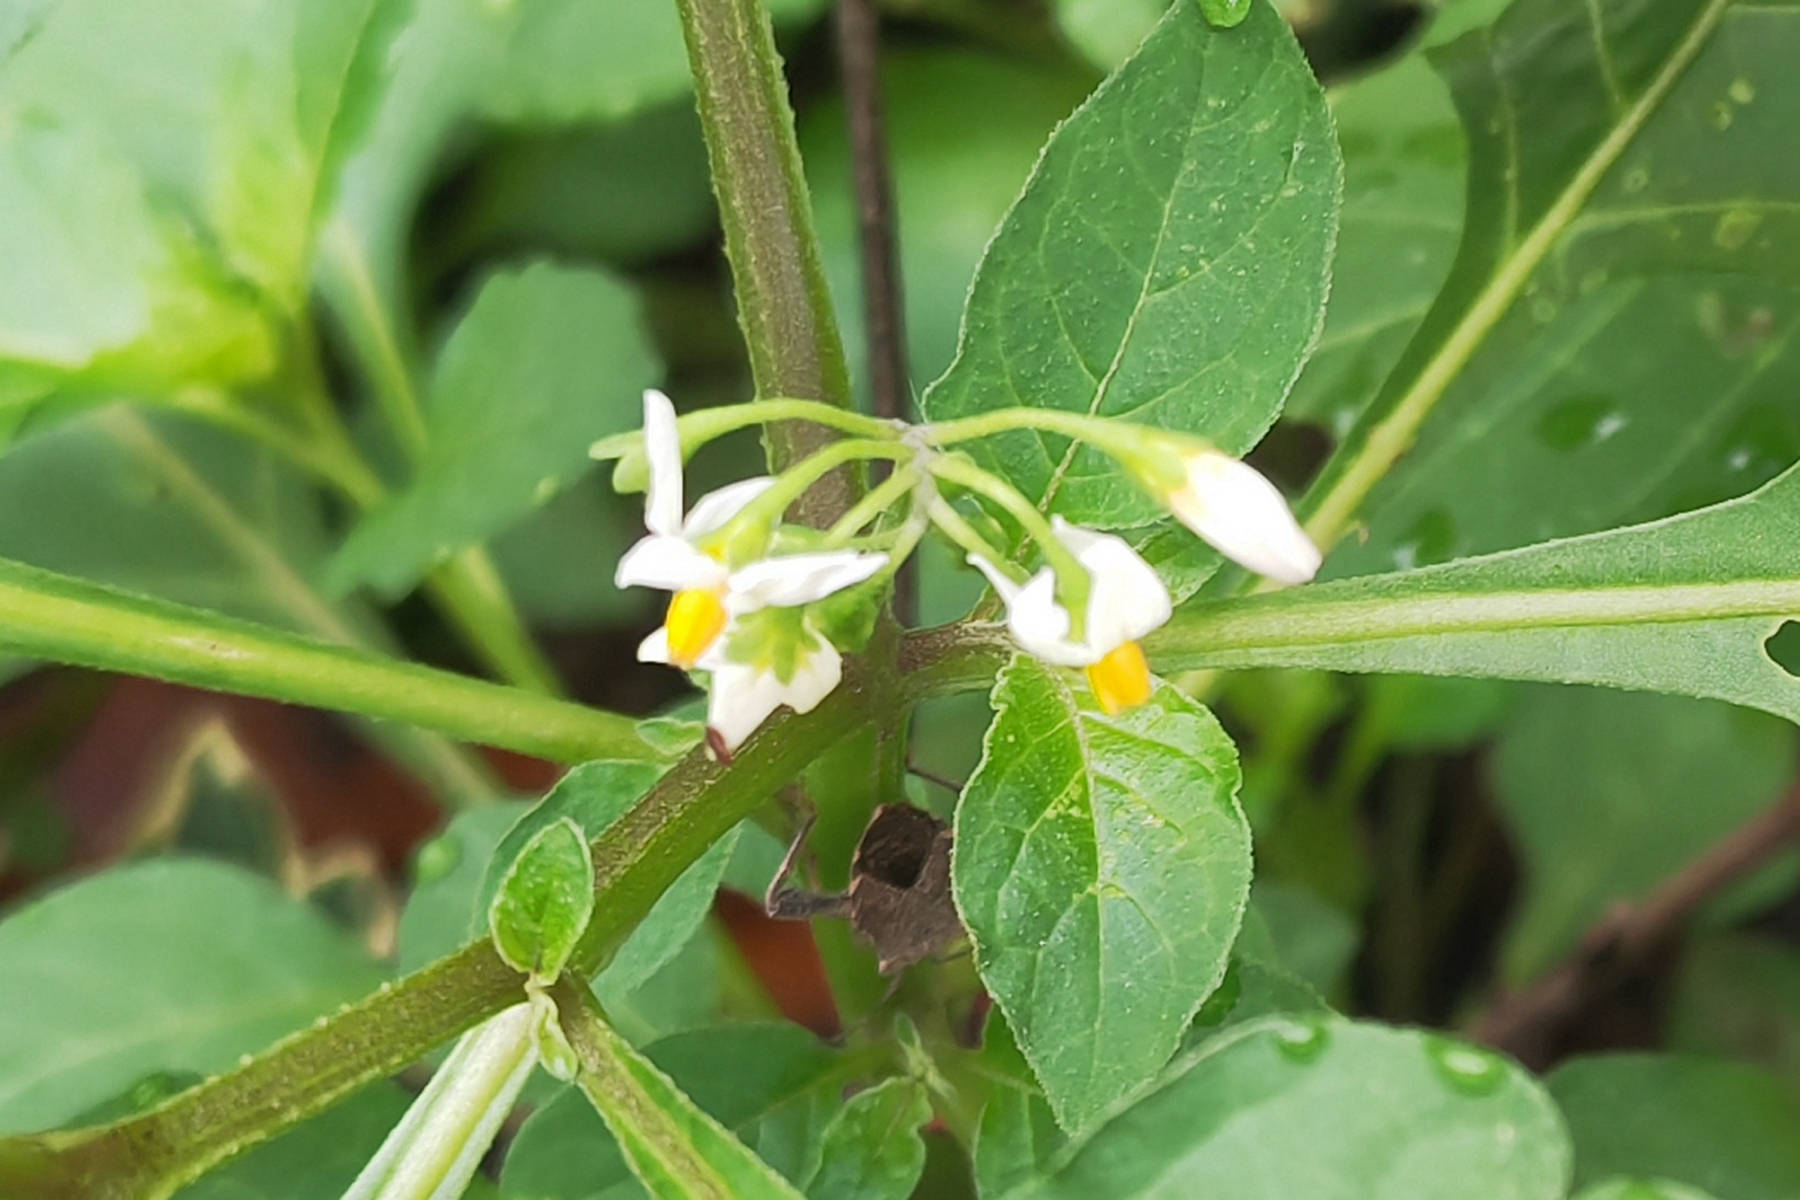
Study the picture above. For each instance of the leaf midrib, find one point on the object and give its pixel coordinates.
(1390, 437)
(1316, 618)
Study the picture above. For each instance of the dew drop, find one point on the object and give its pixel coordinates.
(1742, 90)
(1735, 227)
(1581, 421)
(437, 858)
(1301, 1041)
(1468, 1069)
(1431, 539)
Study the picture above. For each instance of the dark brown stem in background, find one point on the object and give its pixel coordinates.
(877, 226)
(1527, 1023)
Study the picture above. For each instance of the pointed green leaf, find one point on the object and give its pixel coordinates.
(1682, 605)
(675, 1149)
(544, 901)
(1167, 261)
(548, 359)
(171, 965)
(1330, 1110)
(1102, 867)
(1616, 339)
(1722, 1127)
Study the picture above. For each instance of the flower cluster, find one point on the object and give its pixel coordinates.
(764, 607)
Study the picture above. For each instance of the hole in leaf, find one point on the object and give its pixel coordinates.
(1784, 647)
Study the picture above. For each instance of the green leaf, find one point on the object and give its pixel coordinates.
(1629, 245)
(318, 1158)
(872, 1149)
(1738, 995)
(544, 63)
(955, 180)
(593, 796)
(1329, 1110)
(1642, 1189)
(544, 901)
(1682, 605)
(103, 289)
(165, 965)
(1404, 160)
(1598, 789)
(1314, 940)
(1713, 1125)
(782, 1090)
(226, 108)
(548, 359)
(1102, 867)
(675, 1148)
(1167, 261)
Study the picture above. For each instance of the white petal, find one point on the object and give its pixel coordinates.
(655, 648)
(662, 447)
(800, 578)
(818, 673)
(742, 699)
(1245, 518)
(1003, 585)
(668, 563)
(1041, 625)
(1126, 597)
(712, 510)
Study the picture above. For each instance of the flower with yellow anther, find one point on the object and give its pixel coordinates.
(767, 659)
(1126, 600)
(711, 600)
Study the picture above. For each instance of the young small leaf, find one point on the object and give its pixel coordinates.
(872, 1149)
(1102, 866)
(544, 901)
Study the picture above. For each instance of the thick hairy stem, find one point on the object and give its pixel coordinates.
(783, 303)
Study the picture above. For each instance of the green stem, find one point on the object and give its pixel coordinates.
(1117, 438)
(1072, 582)
(452, 771)
(870, 508)
(783, 304)
(966, 536)
(792, 486)
(696, 429)
(67, 620)
(470, 591)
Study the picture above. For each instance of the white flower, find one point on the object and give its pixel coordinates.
(707, 593)
(1241, 514)
(745, 694)
(1126, 600)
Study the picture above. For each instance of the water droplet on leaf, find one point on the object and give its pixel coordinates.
(1223, 14)
(437, 858)
(1735, 227)
(1742, 90)
(1581, 421)
(1469, 1069)
(1301, 1041)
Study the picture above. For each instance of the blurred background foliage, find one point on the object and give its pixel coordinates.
(533, 174)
